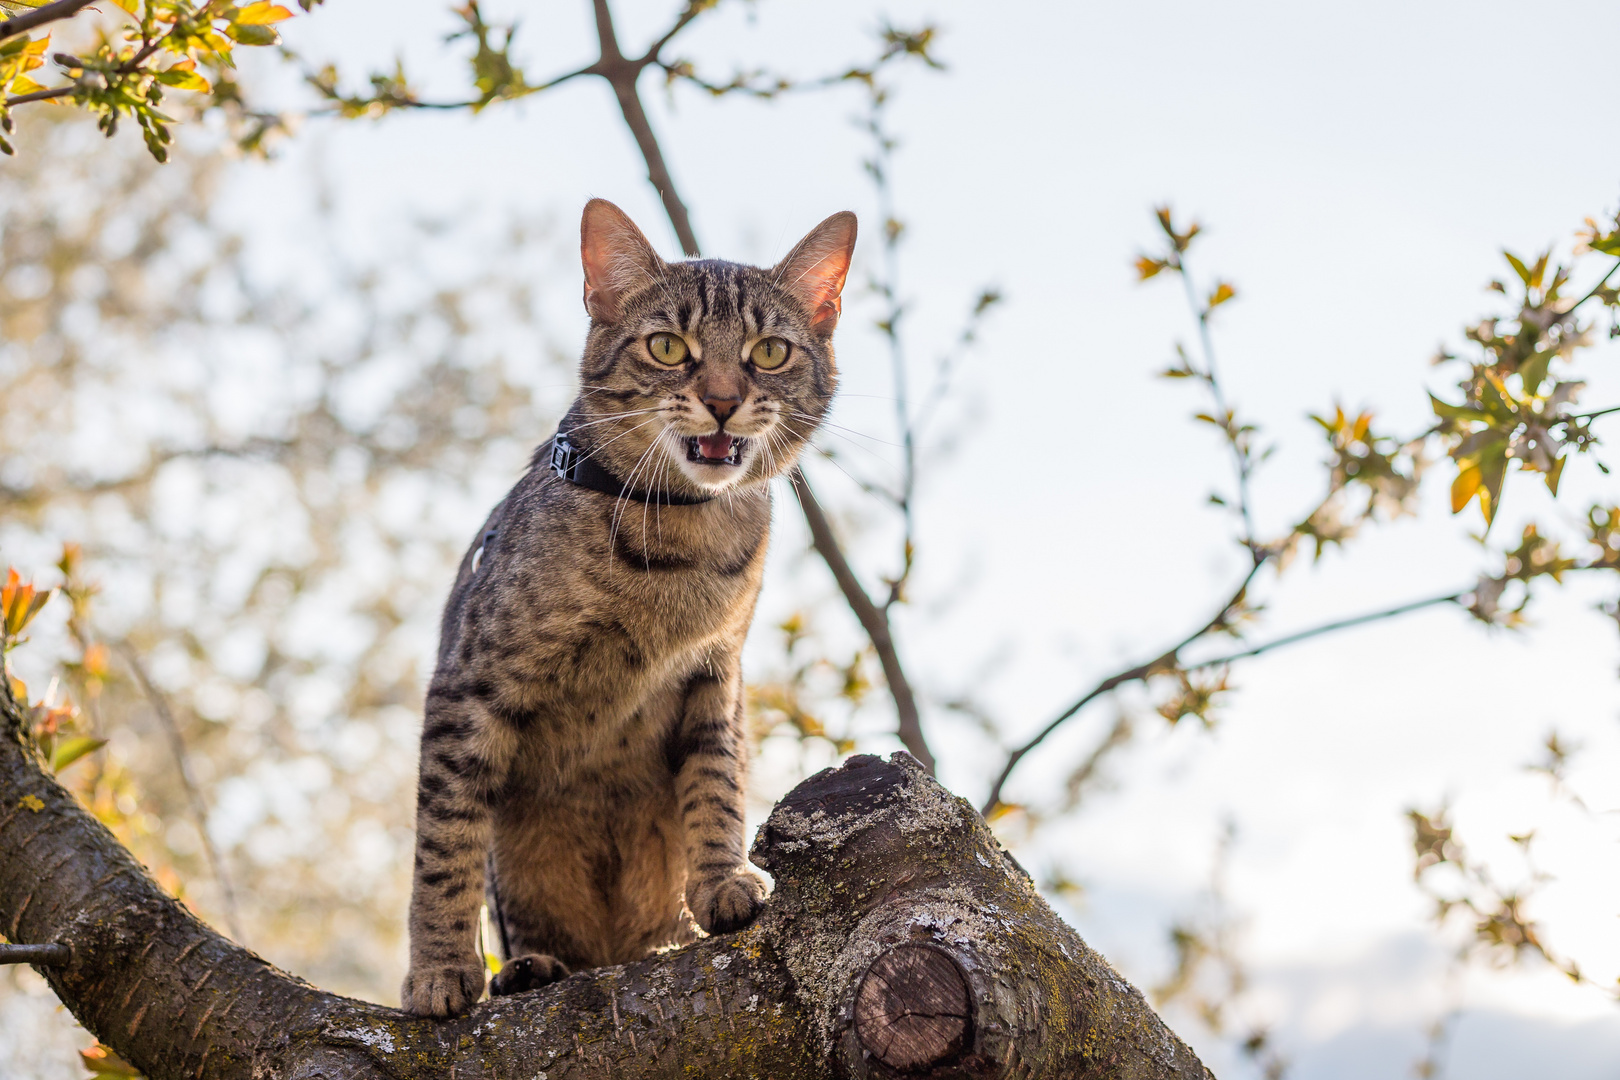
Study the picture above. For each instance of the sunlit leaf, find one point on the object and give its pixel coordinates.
(183, 76)
(253, 33)
(1464, 487)
(1223, 292)
(72, 749)
(261, 13)
(1146, 267)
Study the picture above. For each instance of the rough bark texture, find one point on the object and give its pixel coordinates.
(901, 941)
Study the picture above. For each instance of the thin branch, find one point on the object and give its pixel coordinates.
(1328, 628)
(177, 743)
(1169, 661)
(1165, 661)
(694, 8)
(39, 95)
(1595, 289)
(21, 24)
(622, 74)
(874, 620)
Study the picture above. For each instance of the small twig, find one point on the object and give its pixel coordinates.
(1594, 290)
(199, 810)
(21, 24)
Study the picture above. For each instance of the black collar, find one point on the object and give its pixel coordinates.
(576, 467)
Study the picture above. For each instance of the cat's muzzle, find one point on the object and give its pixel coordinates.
(717, 449)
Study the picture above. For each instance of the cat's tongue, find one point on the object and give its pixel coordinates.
(715, 446)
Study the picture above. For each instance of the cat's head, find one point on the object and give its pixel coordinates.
(704, 376)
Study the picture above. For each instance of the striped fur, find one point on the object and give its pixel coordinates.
(583, 736)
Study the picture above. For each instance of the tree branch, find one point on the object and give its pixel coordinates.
(1165, 661)
(874, 620)
(60, 9)
(885, 950)
(622, 74)
(39, 95)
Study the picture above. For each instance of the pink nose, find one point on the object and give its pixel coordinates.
(722, 408)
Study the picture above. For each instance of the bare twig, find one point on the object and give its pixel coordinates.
(21, 24)
(199, 810)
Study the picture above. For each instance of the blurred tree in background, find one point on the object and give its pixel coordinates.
(236, 689)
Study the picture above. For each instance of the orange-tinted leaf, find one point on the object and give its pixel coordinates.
(101, 1061)
(1146, 267)
(1223, 292)
(1464, 487)
(261, 13)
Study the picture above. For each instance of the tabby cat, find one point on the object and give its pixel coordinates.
(583, 747)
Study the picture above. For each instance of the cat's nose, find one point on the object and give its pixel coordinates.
(722, 407)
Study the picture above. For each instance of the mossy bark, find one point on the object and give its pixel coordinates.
(869, 858)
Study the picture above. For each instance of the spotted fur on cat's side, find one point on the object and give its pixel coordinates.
(583, 737)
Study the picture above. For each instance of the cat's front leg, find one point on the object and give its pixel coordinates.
(721, 891)
(466, 752)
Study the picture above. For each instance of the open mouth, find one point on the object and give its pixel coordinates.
(716, 449)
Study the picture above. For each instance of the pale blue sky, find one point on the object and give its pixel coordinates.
(1359, 168)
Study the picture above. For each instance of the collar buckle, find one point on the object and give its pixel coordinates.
(564, 458)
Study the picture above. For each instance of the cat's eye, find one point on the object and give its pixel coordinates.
(667, 349)
(770, 353)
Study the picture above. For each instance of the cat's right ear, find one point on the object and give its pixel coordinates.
(617, 258)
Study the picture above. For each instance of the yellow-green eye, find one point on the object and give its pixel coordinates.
(770, 353)
(667, 349)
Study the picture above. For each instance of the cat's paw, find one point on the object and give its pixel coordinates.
(527, 973)
(442, 989)
(724, 904)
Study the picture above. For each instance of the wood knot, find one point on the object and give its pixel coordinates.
(913, 1010)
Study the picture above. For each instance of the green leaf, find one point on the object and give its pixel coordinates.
(1518, 267)
(253, 34)
(182, 77)
(70, 750)
(1533, 372)
(1554, 473)
(1447, 411)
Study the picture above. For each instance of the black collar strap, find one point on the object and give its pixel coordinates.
(578, 468)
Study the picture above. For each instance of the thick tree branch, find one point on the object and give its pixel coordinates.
(901, 940)
(60, 9)
(874, 620)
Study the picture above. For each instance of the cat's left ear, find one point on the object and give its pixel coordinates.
(814, 271)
